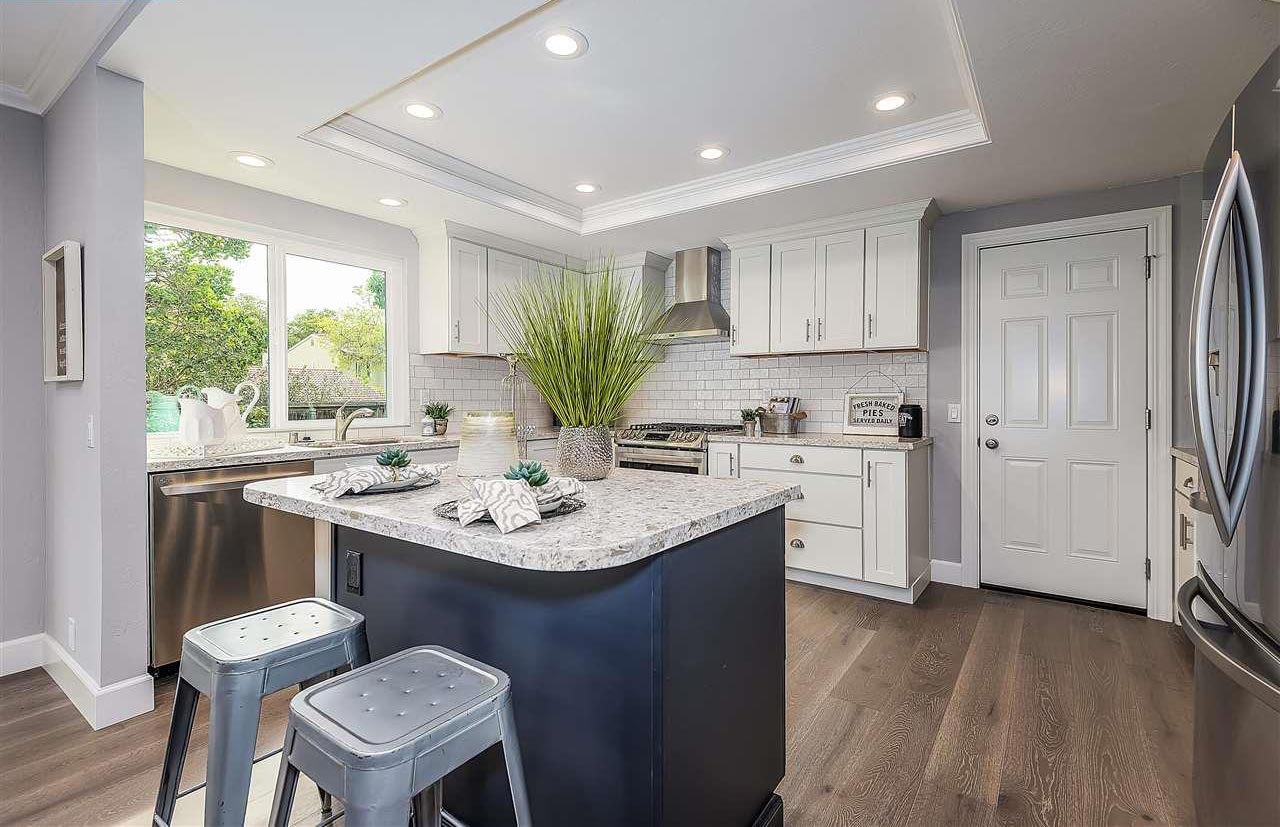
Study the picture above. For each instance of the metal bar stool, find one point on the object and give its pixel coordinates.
(383, 737)
(236, 663)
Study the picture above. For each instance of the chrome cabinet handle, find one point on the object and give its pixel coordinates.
(797, 543)
(871, 325)
(1224, 490)
(992, 444)
(1183, 539)
(1189, 482)
(808, 323)
(819, 328)
(868, 473)
(733, 334)
(457, 330)
(731, 471)
(797, 459)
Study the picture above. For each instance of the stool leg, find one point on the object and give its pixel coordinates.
(233, 734)
(326, 800)
(427, 805)
(185, 697)
(380, 814)
(515, 769)
(286, 786)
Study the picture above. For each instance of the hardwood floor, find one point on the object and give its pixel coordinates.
(969, 708)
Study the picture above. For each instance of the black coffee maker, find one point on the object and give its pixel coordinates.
(910, 422)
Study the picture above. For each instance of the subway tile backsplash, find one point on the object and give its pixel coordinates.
(703, 383)
(469, 383)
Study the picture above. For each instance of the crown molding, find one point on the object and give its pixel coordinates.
(17, 98)
(925, 211)
(79, 39)
(361, 139)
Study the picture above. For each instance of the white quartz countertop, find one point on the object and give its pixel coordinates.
(882, 443)
(629, 516)
(159, 461)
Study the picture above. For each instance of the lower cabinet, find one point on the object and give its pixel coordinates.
(862, 524)
(722, 459)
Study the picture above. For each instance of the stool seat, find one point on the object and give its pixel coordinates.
(384, 736)
(418, 697)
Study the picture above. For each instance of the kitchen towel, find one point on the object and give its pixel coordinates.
(361, 478)
(512, 504)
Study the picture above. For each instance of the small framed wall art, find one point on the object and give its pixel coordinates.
(872, 414)
(63, 313)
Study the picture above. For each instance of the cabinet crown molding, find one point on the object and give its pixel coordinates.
(925, 211)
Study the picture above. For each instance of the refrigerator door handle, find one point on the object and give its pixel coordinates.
(1256, 684)
(1225, 489)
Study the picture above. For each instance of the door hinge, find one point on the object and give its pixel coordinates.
(1148, 568)
(1148, 419)
(1147, 259)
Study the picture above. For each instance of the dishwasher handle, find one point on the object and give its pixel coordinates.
(175, 489)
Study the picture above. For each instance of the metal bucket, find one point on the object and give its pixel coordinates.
(780, 423)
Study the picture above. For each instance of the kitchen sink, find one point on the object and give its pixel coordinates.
(347, 443)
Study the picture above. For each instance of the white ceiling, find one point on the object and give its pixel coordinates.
(1075, 96)
(43, 44)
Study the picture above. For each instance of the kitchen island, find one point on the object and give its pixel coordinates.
(644, 636)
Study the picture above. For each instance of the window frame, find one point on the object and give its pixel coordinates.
(281, 243)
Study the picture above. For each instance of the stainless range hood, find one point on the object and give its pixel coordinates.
(697, 315)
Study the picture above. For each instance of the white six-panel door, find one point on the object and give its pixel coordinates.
(1062, 399)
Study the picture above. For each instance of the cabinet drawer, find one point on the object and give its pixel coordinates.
(826, 498)
(1186, 477)
(824, 548)
(844, 461)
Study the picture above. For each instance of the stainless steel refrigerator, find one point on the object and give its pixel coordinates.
(1231, 610)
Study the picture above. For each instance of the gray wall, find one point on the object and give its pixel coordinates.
(96, 570)
(21, 383)
(1182, 193)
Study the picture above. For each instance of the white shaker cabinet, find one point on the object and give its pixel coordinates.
(895, 308)
(506, 272)
(791, 295)
(838, 295)
(749, 301)
(862, 524)
(468, 297)
(722, 459)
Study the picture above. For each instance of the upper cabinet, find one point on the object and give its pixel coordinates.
(465, 273)
(853, 282)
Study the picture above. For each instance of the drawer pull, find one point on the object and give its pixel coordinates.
(1189, 482)
(797, 543)
(797, 459)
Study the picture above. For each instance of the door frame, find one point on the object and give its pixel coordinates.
(1158, 222)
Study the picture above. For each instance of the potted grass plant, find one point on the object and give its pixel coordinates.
(586, 342)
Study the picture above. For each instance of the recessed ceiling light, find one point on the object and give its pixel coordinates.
(712, 152)
(249, 159)
(586, 187)
(564, 43)
(892, 101)
(424, 111)
(392, 202)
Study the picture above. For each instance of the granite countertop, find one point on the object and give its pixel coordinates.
(630, 515)
(884, 443)
(1185, 454)
(287, 453)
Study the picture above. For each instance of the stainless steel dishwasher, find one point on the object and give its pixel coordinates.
(213, 555)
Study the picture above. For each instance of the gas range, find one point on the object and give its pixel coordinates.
(668, 446)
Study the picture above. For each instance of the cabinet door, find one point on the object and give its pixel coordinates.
(749, 301)
(722, 459)
(839, 304)
(792, 297)
(506, 272)
(468, 297)
(893, 286)
(884, 518)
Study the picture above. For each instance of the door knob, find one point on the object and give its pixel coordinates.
(992, 419)
(992, 444)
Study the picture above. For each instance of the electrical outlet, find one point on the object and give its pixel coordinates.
(355, 572)
(89, 441)
(71, 634)
(953, 411)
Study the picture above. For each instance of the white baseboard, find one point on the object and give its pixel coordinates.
(21, 654)
(101, 706)
(945, 571)
(908, 594)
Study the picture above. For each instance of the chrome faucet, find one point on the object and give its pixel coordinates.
(342, 423)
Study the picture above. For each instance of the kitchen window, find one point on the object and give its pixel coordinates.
(313, 325)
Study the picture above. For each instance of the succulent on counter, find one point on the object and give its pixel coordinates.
(395, 459)
(531, 472)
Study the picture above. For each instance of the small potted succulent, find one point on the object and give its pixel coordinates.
(438, 413)
(394, 460)
(749, 417)
(533, 473)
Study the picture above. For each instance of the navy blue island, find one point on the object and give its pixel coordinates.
(644, 636)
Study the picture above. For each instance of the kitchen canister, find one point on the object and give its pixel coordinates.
(910, 422)
(487, 443)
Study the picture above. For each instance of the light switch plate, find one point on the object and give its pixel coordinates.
(953, 411)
